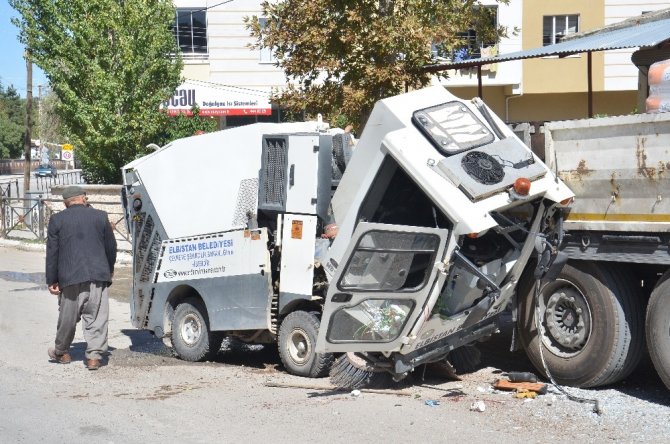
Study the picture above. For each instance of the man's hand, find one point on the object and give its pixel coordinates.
(54, 289)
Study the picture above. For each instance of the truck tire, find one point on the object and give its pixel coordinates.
(191, 338)
(593, 324)
(297, 342)
(658, 328)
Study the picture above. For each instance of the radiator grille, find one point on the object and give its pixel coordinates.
(273, 177)
(139, 220)
(148, 246)
(152, 256)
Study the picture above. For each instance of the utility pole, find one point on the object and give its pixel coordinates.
(29, 122)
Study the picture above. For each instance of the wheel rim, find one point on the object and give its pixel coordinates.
(191, 329)
(566, 316)
(299, 347)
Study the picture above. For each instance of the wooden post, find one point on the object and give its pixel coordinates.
(29, 122)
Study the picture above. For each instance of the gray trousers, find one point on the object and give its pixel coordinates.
(89, 302)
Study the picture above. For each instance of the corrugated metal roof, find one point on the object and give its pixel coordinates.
(643, 34)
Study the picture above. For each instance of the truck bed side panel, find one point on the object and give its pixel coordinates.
(618, 168)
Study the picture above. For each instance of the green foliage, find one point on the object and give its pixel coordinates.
(12, 123)
(48, 124)
(110, 63)
(340, 57)
(177, 127)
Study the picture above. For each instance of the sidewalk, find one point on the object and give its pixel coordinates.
(123, 257)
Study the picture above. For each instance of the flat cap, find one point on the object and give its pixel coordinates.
(72, 191)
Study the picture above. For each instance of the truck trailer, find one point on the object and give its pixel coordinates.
(615, 288)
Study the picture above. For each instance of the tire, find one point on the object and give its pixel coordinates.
(191, 338)
(593, 323)
(297, 342)
(658, 328)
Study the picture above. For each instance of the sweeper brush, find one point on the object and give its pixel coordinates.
(352, 372)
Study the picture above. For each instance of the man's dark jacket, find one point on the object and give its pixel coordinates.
(80, 247)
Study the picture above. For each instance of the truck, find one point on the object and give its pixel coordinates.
(615, 288)
(386, 254)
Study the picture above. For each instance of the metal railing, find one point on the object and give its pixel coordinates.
(62, 178)
(6, 188)
(28, 218)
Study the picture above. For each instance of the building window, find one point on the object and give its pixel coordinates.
(190, 30)
(472, 44)
(555, 27)
(266, 53)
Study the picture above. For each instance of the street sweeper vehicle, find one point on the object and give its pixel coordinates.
(414, 251)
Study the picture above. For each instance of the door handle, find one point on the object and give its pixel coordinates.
(291, 175)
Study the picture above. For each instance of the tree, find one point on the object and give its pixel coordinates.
(48, 123)
(185, 126)
(110, 63)
(12, 115)
(341, 56)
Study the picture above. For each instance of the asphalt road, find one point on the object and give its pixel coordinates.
(144, 395)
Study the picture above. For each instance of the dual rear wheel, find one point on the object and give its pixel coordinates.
(592, 324)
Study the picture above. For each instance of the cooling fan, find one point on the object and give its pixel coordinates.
(483, 168)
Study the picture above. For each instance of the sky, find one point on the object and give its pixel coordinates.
(12, 63)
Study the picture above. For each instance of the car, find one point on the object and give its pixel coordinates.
(46, 171)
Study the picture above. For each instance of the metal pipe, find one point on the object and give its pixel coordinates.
(479, 82)
(589, 66)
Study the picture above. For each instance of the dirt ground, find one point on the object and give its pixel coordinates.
(144, 394)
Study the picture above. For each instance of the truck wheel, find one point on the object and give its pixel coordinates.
(592, 323)
(297, 341)
(191, 338)
(658, 328)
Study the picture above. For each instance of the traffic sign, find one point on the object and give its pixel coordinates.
(67, 152)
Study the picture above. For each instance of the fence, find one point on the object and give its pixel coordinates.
(6, 188)
(9, 166)
(62, 178)
(28, 218)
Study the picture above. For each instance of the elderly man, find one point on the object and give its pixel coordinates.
(81, 251)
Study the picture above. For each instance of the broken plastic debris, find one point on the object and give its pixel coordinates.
(525, 394)
(478, 406)
(355, 393)
(432, 402)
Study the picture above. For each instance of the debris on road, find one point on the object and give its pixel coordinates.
(538, 387)
(333, 388)
(478, 406)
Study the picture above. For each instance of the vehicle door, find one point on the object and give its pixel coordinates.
(380, 288)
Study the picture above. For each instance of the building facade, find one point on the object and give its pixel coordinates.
(552, 88)
(232, 82)
(222, 75)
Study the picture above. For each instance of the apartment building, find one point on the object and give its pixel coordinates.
(222, 75)
(553, 88)
(233, 83)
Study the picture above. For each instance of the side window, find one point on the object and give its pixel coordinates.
(555, 27)
(265, 53)
(190, 31)
(473, 46)
(391, 262)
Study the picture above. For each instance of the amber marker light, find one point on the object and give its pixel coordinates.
(568, 201)
(473, 235)
(522, 186)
